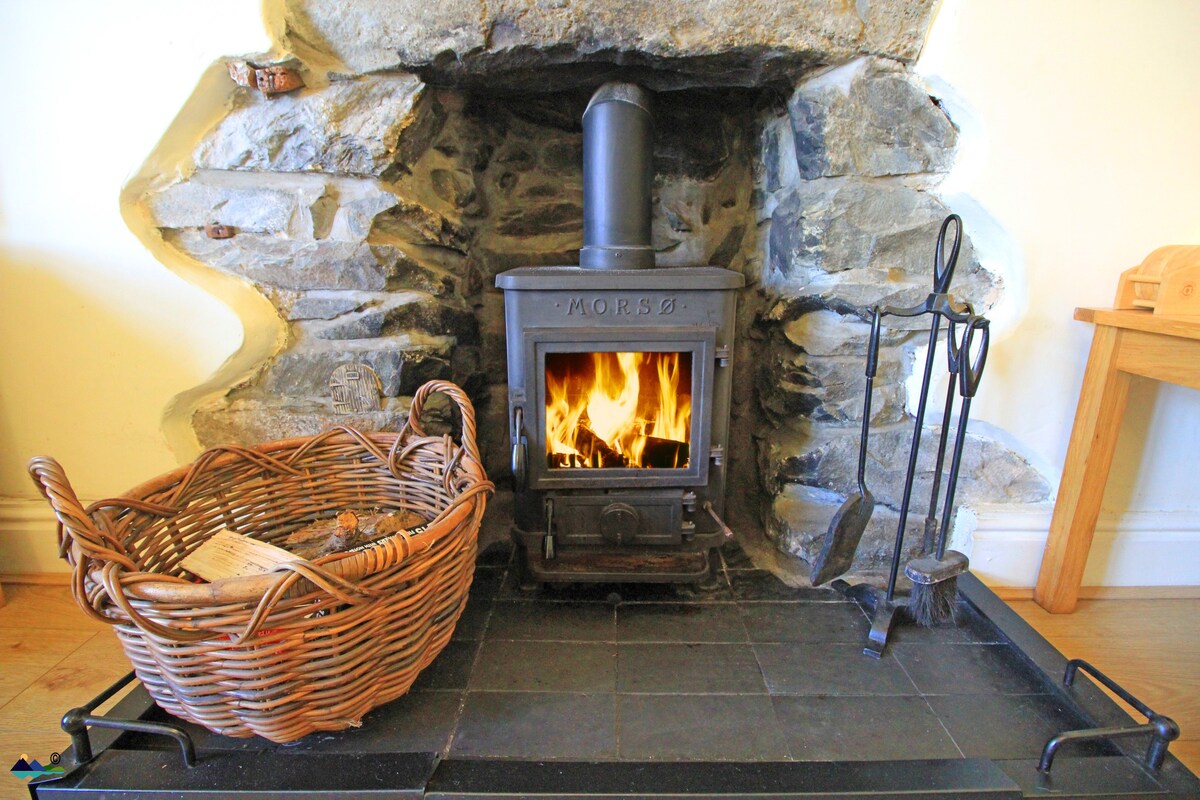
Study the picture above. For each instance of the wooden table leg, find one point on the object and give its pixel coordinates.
(1089, 455)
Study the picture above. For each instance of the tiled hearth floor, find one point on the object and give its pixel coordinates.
(745, 670)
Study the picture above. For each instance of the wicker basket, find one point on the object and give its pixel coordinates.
(311, 648)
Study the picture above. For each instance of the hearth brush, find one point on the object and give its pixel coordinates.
(935, 577)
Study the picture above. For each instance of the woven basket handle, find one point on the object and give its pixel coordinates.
(76, 529)
(76, 524)
(465, 408)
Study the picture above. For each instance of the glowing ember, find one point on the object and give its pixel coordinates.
(618, 409)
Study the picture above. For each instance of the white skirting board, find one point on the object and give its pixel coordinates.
(1005, 544)
(1136, 548)
(28, 540)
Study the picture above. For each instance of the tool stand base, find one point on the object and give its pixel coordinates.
(884, 613)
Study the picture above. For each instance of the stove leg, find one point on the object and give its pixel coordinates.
(526, 582)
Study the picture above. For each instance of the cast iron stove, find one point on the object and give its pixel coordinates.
(618, 383)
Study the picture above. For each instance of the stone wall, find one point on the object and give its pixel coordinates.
(375, 213)
(847, 195)
(375, 206)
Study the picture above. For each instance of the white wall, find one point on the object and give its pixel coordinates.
(96, 337)
(1080, 143)
(1079, 157)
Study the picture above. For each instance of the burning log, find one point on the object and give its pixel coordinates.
(597, 451)
(592, 453)
(664, 453)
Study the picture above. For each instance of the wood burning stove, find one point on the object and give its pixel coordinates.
(619, 382)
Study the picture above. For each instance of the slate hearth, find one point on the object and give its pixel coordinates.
(744, 669)
(741, 687)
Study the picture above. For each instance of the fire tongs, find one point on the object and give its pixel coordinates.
(883, 606)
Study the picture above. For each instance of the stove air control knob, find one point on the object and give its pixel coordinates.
(619, 523)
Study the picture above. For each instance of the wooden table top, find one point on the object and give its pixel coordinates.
(1141, 320)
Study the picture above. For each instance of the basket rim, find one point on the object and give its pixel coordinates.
(251, 588)
(232, 454)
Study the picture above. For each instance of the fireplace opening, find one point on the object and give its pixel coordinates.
(618, 410)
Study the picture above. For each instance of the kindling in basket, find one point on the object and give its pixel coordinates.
(315, 646)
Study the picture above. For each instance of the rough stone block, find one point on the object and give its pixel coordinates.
(861, 242)
(410, 313)
(800, 516)
(367, 126)
(248, 422)
(725, 42)
(826, 456)
(778, 155)
(434, 318)
(827, 333)
(410, 221)
(353, 216)
(696, 222)
(249, 209)
(289, 263)
(401, 362)
(300, 207)
(364, 324)
(324, 305)
(869, 118)
(535, 219)
(798, 387)
(411, 270)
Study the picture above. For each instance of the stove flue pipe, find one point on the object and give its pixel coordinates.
(618, 153)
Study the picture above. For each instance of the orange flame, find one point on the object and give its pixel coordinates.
(618, 409)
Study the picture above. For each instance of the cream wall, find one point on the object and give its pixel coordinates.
(96, 337)
(1080, 156)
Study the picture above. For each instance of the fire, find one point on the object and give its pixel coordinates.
(618, 409)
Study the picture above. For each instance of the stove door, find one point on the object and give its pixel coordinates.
(619, 408)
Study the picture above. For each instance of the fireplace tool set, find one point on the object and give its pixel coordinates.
(934, 574)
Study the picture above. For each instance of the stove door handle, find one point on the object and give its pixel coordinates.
(520, 452)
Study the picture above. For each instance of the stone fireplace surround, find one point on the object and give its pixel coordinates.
(438, 144)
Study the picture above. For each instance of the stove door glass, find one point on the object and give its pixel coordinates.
(618, 410)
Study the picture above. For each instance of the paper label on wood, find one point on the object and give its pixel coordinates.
(231, 555)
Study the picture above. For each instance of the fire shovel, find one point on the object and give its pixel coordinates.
(847, 526)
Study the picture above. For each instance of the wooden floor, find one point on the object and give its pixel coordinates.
(52, 657)
(1151, 647)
